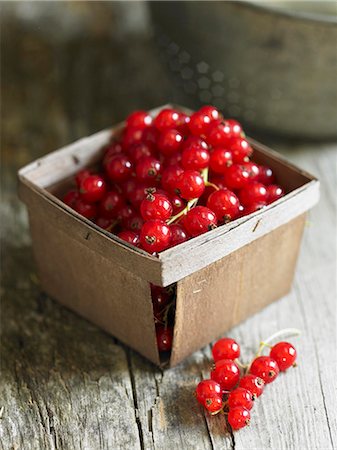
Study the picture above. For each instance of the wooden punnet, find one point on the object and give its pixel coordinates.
(230, 272)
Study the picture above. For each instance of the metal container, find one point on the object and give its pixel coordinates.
(273, 67)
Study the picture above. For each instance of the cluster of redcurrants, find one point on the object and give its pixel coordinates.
(240, 391)
(173, 177)
(163, 301)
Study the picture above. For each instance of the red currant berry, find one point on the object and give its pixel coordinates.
(88, 210)
(164, 338)
(129, 186)
(119, 168)
(178, 235)
(139, 150)
(253, 170)
(111, 150)
(253, 207)
(170, 141)
(134, 223)
(199, 123)
(253, 192)
(236, 176)
(211, 112)
(139, 119)
(225, 348)
(156, 206)
(238, 417)
(148, 170)
(226, 373)
(240, 149)
(103, 222)
(167, 118)
(218, 134)
(81, 175)
(111, 204)
(183, 122)
(170, 177)
(131, 136)
(266, 175)
(274, 192)
(160, 297)
(240, 397)
(199, 220)
(138, 194)
(284, 354)
(190, 185)
(92, 188)
(220, 159)
(253, 384)
(264, 367)
(194, 142)
(194, 158)
(155, 236)
(150, 135)
(213, 404)
(178, 204)
(207, 389)
(172, 160)
(124, 213)
(71, 197)
(235, 127)
(129, 236)
(225, 205)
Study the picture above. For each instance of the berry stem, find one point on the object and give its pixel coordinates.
(239, 363)
(189, 205)
(214, 186)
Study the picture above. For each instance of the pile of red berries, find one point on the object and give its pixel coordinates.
(163, 301)
(173, 177)
(233, 390)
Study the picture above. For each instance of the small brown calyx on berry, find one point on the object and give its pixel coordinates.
(150, 197)
(226, 218)
(271, 373)
(150, 190)
(211, 226)
(259, 381)
(150, 239)
(247, 422)
(152, 172)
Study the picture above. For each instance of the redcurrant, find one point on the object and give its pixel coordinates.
(236, 176)
(156, 206)
(178, 235)
(88, 210)
(190, 185)
(253, 192)
(238, 417)
(194, 158)
(129, 236)
(131, 136)
(240, 397)
(218, 134)
(167, 118)
(226, 373)
(170, 141)
(140, 149)
(225, 205)
(110, 205)
(164, 338)
(81, 175)
(225, 348)
(213, 404)
(253, 383)
(119, 168)
(155, 236)
(71, 197)
(274, 192)
(265, 368)
(199, 220)
(266, 175)
(220, 159)
(92, 188)
(148, 169)
(284, 354)
(139, 119)
(241, 150)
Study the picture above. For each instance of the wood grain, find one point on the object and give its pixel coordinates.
(67, 385)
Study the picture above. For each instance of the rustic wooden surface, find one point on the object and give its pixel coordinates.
(67, 385)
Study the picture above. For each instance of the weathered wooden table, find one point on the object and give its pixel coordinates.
(67, 385)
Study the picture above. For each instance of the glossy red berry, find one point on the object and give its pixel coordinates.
(119, 168)
(240, 397)
(253, 383)
(178, 235)
(134, 223)
(265, 368)
(129, 237)
(226, 373)
(225, 204)
(178, 204)
(160, 298)
(194, 142)
(164, 338)
(110, 205)
(199, 220)
(88, 210)
(284, 354)
(253, 192)
(274, 192)
(226, 348)
(170, 141)
(124, 213)
(172, 160)
(150, 135)
(235, 127)
(195, 158)
(92, 188)
(71, 197)
(253, 207)
(213, 404)
(190, 185)
(106, 224)
(266, 175)
(155, 236)
(139, 119)
(253, 170)
(131, 136)
(167, 118)
(148, 170)
(218, 134)
(199, 123)
(156, 206)
(238, 417)
(183, 122)
(111, 150)
(81, 175)
(211, 112)
(207, 389)
(170, 177)
(220, 159)
(139, 150)
(236, 176)
(241, 150)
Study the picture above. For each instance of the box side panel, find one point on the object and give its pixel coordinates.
(96, 288)
(228, 291)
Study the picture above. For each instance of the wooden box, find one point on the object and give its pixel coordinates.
(230, 272)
